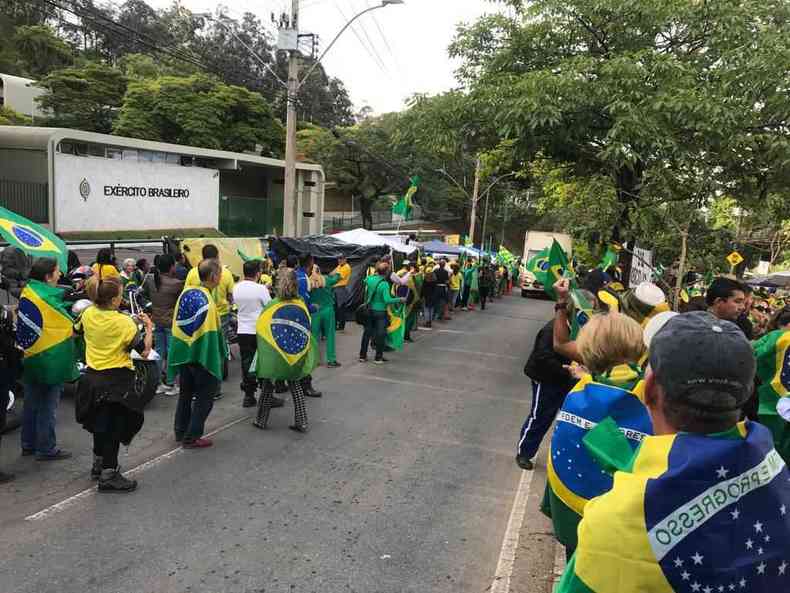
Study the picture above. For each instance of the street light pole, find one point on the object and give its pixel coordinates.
(290, 215)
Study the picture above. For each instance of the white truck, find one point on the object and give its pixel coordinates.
(534, 243)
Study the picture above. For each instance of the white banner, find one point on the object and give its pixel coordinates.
(641, 267)
(98, 194)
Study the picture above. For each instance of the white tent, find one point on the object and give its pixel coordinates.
(369, 238)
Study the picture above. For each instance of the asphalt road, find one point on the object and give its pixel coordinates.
(405, 482)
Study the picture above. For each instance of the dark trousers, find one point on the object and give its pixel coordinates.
(267, 399)
(5, 386)
(375, 330)
(248, 345)
(341, 297)
(198, 388)
(108, 428)
(484, 292)
(547, 399)
(465, 295)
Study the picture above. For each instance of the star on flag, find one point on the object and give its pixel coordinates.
(749, 544)
(761, 568)
(697, 558)
(722, 472)
(735, 514)
(758, 527)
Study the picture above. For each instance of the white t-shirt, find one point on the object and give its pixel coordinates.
(250, 299)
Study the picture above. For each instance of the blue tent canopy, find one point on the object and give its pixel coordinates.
(439, 247)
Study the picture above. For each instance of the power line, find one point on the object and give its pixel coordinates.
(376, 60)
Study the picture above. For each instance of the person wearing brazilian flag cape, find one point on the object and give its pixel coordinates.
(704, 505)
(609, 345)
(197, 353)
(44, 331)
(287, 350)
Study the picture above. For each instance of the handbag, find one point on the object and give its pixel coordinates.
(363, 311)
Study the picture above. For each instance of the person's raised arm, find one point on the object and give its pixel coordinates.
(562, 334)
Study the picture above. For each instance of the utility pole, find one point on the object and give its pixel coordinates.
(474, 203)
(290, 216)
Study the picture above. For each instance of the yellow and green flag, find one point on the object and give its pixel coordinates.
(538, 265)
(196, 333)
(405, 205)
(396, 314)
(32, 238)
(286, 348)
(558, 267)
(610, 258)
(45, 331)
(773, 369)
(689, 513)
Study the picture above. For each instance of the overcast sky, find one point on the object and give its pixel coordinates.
(388, 55)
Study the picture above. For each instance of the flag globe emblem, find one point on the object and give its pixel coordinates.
(27, 236)
(85, 189)
(30, 323)
(291, 329)
(192, 311)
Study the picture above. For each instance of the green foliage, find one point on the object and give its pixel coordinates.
(40, 50)
(9, 117)
(199, 111)
(85, 97)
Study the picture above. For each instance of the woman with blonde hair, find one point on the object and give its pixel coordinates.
(107, 404)
(603, 412)
(323, 321)
(286, 350)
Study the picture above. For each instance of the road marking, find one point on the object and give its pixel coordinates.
(475, 353)
(452, 331)
(398, 382)
(72, 500)
(507, 556)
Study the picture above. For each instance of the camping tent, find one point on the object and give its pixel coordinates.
(437, 247)
(369, 238)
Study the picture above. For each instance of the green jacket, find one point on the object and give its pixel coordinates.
(379, 300)
(325, 297)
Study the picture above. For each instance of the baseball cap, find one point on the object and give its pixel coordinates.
(704, 362)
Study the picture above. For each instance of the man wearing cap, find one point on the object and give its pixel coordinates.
(703, 505)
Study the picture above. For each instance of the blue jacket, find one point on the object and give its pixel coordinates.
(303, 284)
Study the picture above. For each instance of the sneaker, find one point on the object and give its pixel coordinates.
(112, 480)
(56, 456)
(363, 359)
(303, 428)
(380, 361)
(161, 389)
(200, 443)
(525, 464)
(333, 365)
(171, 390)
(5, 478)
(219, 396)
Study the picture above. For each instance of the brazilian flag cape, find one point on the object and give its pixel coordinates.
(574, 477)
(287, 350)
(196, 333)
(45, 331)
(397, 314)
(773, 369)
(689, 513)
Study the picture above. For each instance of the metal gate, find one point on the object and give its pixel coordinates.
(26, 198)
(250, 217)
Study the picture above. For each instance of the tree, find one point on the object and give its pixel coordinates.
(85, 98)
(657, 95)
(199, 111)
(40, 50)
(9, 117)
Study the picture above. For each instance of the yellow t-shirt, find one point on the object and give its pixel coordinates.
(455, 282)
(345, 275)
(108, 335)
(220, 293)
(266, 280)
(107, 271)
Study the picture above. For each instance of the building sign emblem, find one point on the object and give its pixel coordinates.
(85, 189)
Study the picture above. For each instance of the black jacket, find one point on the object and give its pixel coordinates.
(544, 365)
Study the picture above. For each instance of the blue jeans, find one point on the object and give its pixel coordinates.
(196, 384)
(39, 416)
(161, 344)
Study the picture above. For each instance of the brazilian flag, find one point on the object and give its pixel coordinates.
(538, 265)
(196, 333)
(32, 238)
(772, 352)
(404, 206)
(558, 267)
(45, 331)
(574, 477)
(286, 348)
(689, 513)
(582, 312)
(397, 313)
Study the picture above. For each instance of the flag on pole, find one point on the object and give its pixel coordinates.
(45, 331)
(286, 348)
(689, 513)
(396, 328)
(558, 268)
(582, 311)
(196, 337)
(404, 206)
(610, 258)
(32, 238)
(538, 265)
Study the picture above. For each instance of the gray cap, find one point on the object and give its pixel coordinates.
(703, 361)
